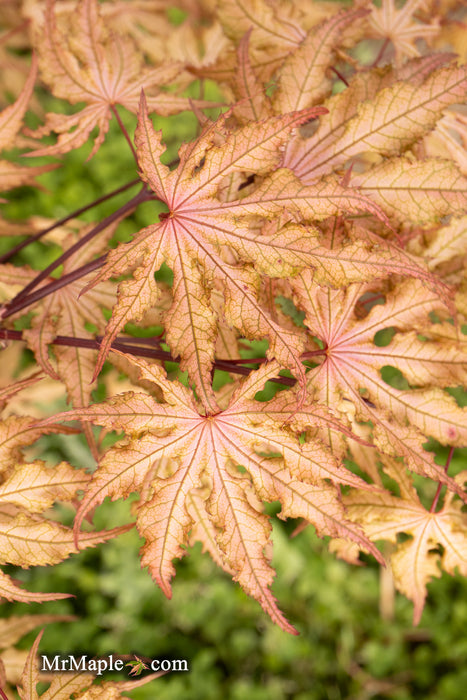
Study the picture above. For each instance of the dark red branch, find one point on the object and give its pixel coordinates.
(340, 76)
(17, 302)
(31, 239)
(22, 303)
(128, 346)
(381, 52)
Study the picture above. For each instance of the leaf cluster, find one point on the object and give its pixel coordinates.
(286, 326)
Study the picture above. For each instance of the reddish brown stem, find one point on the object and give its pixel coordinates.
(22, 303)
(314, 353)
(124, 131)
(381, 52)
(340, 76)
(3, 695)
(17, 302)
(6, 256)
(126, 345)
(440, 485)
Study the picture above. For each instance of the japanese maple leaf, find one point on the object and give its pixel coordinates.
(417, 560)
(302, 79)
(11, 121)
(173, 453)
(416, 191)
(351, 371)
(27, 490)
(450, 132)
(274, 34)
(400, 28)
(201, 228)
(12, 628)
(385, 114)
(28, 538)
(82, 60)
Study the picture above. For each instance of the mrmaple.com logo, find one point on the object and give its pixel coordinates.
(70, 662)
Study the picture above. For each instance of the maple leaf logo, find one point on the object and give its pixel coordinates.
(137, 666)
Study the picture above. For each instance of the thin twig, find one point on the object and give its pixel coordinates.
(380, 53)
(340, 76)
(440, 485)
(6, 256)
(123, 345)
(17, 302)
(47, 289)
(124, 131)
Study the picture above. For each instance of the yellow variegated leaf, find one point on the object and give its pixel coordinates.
(269, 27)
(388, 124)
(248, 89)
(63, 686)
(417, 560)
(449, 242)
(401, 28)
(174, 452)
(11, 119)
(28, 539)
(16, 626)
(35, 487)
(353, 363)
(420, 192)
(82, 60)
(11, 591)
(303, 78)
(190, 237)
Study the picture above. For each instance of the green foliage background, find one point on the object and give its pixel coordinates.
(345, 650)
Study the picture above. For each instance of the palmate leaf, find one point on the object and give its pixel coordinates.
(10, 591)
(189, 240)
(353, 364)
(64, 313)
(12, 628)
(173, 453)
(448, 243)
(27, 491)
(200, 227)
(388, 122)
(81, 60)
(11, 121)
(417, 560)
(399, 26)
(302, 79)
(419, 192)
